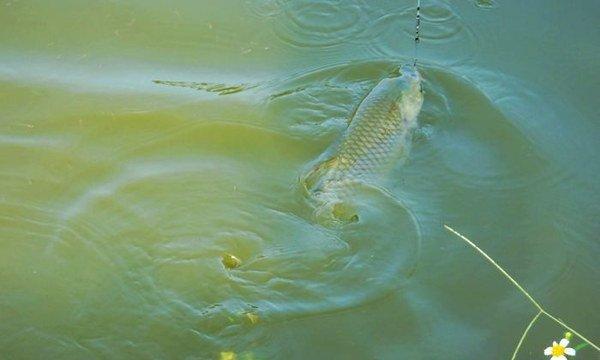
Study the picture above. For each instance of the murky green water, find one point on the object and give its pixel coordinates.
(120, 195)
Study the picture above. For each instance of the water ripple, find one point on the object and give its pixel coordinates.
(441, 28)
(321, 23)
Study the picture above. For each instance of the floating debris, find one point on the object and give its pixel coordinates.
(485, 4)
(231, 261)
(218, 88)
(227, 355)
(253, 318)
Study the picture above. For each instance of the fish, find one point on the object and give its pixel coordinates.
(378, 134)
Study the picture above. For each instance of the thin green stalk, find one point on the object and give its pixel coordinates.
(518, 286)
(571, 330)
(514, 356)
(488, 258)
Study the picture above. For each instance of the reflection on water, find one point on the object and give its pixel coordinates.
(120, 195)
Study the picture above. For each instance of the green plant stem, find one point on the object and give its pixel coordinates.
(518, 286)
(514, 356)
(571, 330)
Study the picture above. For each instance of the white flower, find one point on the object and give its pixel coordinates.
(558, 351)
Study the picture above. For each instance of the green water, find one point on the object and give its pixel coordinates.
(119, 196)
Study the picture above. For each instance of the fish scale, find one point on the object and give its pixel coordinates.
(379, 132)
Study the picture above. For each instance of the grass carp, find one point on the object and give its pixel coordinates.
(379, 133)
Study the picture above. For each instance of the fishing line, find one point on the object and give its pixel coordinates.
(417, 28)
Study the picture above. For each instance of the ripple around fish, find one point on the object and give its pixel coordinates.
(160, 229)
(475, 150)
(469, 132)
(308, 23)
(319, 102)
(305, 102)
(366, 261)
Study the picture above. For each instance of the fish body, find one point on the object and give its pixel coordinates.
(379, 133)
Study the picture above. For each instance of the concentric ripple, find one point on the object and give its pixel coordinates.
(319, 23)
(264, 8)
(441, 28)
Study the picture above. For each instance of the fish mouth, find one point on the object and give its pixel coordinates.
(410, 72)
(411, 75)
(406, 78)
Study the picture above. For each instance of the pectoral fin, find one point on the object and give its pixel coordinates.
(311, 179)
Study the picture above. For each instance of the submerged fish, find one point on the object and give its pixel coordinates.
(379, 133)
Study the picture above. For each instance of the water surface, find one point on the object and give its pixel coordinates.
(120, 195)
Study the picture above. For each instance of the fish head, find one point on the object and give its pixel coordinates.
(406, 84)
(405, 78)
(411, 75)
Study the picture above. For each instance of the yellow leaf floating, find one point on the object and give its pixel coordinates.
(253, 318)
(228, 355)
(231, 261)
